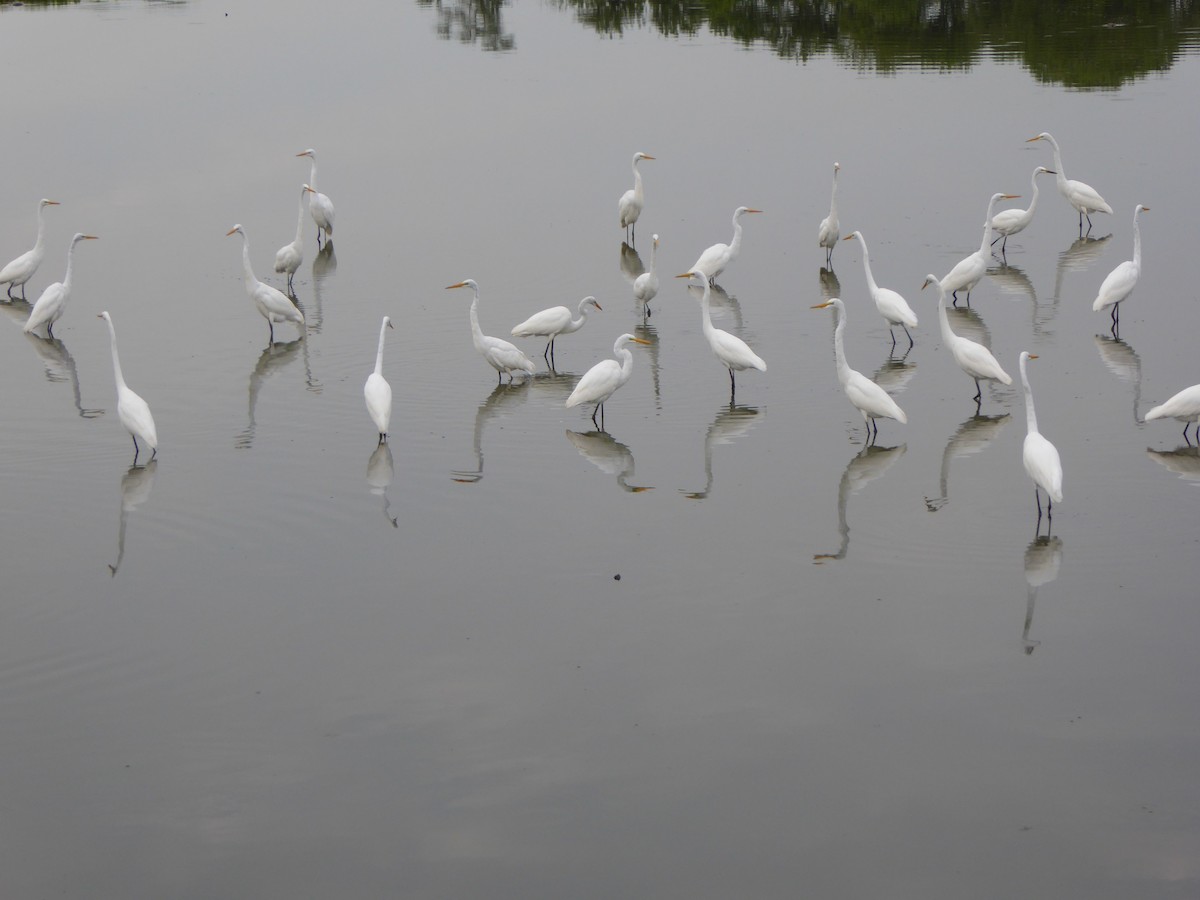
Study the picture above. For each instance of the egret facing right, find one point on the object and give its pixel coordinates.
(53, 303)
(968, 271)
(289, 256)
(716, 259)
(1039, 455)
(828, 231)
(1120, 282)
(603, 379)
(629, 207)
(21, 269)
(319, 206)
(132, 410)
(550, 323)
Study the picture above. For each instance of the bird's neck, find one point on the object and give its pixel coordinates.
(379, 353)
(70, 267)
(948, 336)
(300, 220)
(867, 268)
(476, 331)
(735, 245)
(653, 257)
(1137, 243)
(706, 325)
(120, 379)
(637, 184)
(1030, 414)
(312, 175)
(37, 246)
(986, 243)
(839, 347)
(248, 272)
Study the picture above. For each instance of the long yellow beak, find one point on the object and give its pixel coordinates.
(450, 287)
(639, 340)
(821, 305)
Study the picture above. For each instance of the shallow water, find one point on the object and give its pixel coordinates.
(280, 662)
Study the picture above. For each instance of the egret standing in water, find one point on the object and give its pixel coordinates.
(1120, 282)
(866, 396)
(21, 269)
(629, 207)
(377, 392)
(827, 233)
(132, 410)
(891, 305)
(499, 354)
(550, 323)
(969, 270)
(289, 256)
(320, 206)
(716, 259)
(602, 380)
(271, 303)
(1082, 197)
(1040, 456)
(645, 286)
(734, 353)
(974, 359)
(53, 303)
(1008, 222)
(1184, 406)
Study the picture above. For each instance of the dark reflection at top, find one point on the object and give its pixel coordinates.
(1184, 461)
(731, 423)
(1122, 360)
(1043, 557)
(56, 358)
(869, 463)
(502, 400)
(472, 22)
(607, 454)
(1079, 45)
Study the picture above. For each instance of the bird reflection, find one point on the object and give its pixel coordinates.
(1079, 257)
(966, 322)
(324, 265)
(649, 334)
(1120, 359)
(895, 374)
(1184, 461)
(631, 263)
(502, 400)
(1042, 560)
(60, 367)
(722, 304)
(1013, 282)
(136, 485)
(829, 284)
(608, 455)
(972, 436)
(379, 477)
(731, 423)
(275, 357)
(868, 464)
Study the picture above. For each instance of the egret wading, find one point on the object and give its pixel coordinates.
(1083, 198)
(21, 269)
(603, 379)
(550, 323)
(733, 353)
(968, 271)
(828, 231)
(974, 359)
(377, 392)
(1120, 282)
(629, 207)
(272, 304)
(319, 206)
(1039, 455)
(132, 410)
(891, 305)
(53, 302)
(499, 354)
(716, 259)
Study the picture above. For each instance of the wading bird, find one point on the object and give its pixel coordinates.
(1120, 282)
(1008, 222)
(969, 270)
(1083, 197)
(629, 207)
(21, 269)
(1184, 406)
(827, 233)
(716, 259)
(1039, 455)
(891, 305)
(271, 303)
(132, 410)
(974, 359)
(603, 379)
(377, 392)
(320, 206)
(550, 323)
(289, 256)
(734, 353)
(53, 303)
(499, 354)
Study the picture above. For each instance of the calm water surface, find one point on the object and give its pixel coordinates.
(281, 662)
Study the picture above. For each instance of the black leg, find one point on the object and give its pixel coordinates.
(1186, 438)
(135, 449)
(978, 398)
(50, 329)
(910, 340)
(893, 334)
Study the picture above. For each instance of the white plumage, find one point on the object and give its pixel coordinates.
(968, 271)
(289, 256)
(716, 259)
(734, 353)
(629, 207)
(499, 354)
(828, 231)
(603, 379)
(132, 410)
(21, 269)
(1039, 455)
(319, 206)
(1120, 282)
(1184, 406)
(974, 359)
(377, 392)
(550, 323)
(891, 305)
(1008, 222)
(1083, 198)
(272, 304)
(645, 286)
(53, 302)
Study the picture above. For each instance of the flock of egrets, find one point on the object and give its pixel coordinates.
(599, 383)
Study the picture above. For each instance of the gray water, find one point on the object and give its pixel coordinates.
(281, 662)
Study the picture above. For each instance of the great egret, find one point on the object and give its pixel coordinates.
(550, 323)
(865, 395)
(969, 270)
(1082, 197)
(132, 410)
(734, 353)
(827, 233)
(716, 259)
(630, 205)
(974, 359)
(53, 303)
(377, 392)
(289, 256)
(1008, 222)
(320, 206)
(272, 303)
(1184, 406)
(645, 286)
(1120, 282)
(893, 307)
(499, 354)
(1040, 456)
(21, 269)
(602, 380)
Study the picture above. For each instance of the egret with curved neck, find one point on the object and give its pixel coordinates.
(603, 379)
(733, 353)
(132, 410)
(629, 207)
(552, 322)
(272, 304)
(891, 305)
(1039, 455)
(1008, 222)
(53, 303)
(21, 269)
(969, 270)
(320, 206)
(289, 256)
(827, 233)
(716, 259)
(974, 359)
(1083, 197)
(872, 401)
(1118, 285)
(377, 392)
(499, 354)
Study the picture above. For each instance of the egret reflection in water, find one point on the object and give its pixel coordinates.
(973, 436)
(1080, 256)
(631, 263)
(731, 423)
(504, 398)
(895, 373)
(324, 265)
(828, 284)
(380, 472)
(1184, 461)
(274, 358)
(1121, 359)
(608, 455)
(136, 485)
(1043, 557)
(871, 462)
(59, 364)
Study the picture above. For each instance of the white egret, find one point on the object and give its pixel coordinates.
(828, 232)
(602, 380)
(1082, 197)
(272, 303)
(968, 271)
(645, 286)
(132, 410)
(550, 323)
(53, 303)
(21, 269)
(974, 359)
(320, 206)
(865, 395)
(1184, 406)
(499, 354)
(377, 392)
(891, 305)
(1008, 222)
(734, 353)
(1120, 282)
(630, 205)
(1040, 456)
(289, 256)
(716, 259)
